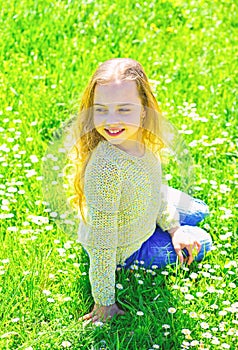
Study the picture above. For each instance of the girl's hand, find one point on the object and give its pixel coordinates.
(182, 239)
(102, 313)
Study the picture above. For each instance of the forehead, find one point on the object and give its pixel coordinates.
(117, 92)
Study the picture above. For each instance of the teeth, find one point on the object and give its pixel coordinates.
(113, 131)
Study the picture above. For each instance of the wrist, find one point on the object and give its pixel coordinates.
(173, 230)
(103, 305)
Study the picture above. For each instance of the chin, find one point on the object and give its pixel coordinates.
(118, 141)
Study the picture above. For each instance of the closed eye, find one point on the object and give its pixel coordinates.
(124, 110)
(100, 110)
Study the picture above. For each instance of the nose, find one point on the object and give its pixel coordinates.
(112, 120)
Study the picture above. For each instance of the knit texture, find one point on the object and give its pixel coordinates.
(124, 203)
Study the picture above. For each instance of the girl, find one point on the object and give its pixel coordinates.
(118, 181)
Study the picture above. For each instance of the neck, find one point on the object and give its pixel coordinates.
(134, 148)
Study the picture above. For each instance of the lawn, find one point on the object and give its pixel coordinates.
(49, 50)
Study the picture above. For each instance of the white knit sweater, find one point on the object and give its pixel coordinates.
(124, 203)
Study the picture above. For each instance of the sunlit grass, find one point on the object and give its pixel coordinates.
(49, 49)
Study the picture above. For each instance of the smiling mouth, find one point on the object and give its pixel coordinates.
(114, 132)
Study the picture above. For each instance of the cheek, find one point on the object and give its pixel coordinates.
(133, 120)
(98, 120)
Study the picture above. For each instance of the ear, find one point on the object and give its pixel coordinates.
(143, 113)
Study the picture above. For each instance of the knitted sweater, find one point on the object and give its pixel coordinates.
(124, 203)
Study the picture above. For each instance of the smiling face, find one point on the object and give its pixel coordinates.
(117, 113)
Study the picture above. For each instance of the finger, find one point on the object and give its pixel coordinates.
(108, 318)
(199, 246)
(87, 316)
(179, 254)
(190, 249)
(95, 319)
(85, 323)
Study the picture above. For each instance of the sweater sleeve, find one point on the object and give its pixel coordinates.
(168, 216)
(102, 192)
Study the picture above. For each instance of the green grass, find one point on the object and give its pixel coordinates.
(49, 49)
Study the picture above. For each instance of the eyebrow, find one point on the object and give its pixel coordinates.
(121, 104)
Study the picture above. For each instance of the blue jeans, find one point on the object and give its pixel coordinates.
(158, 249)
